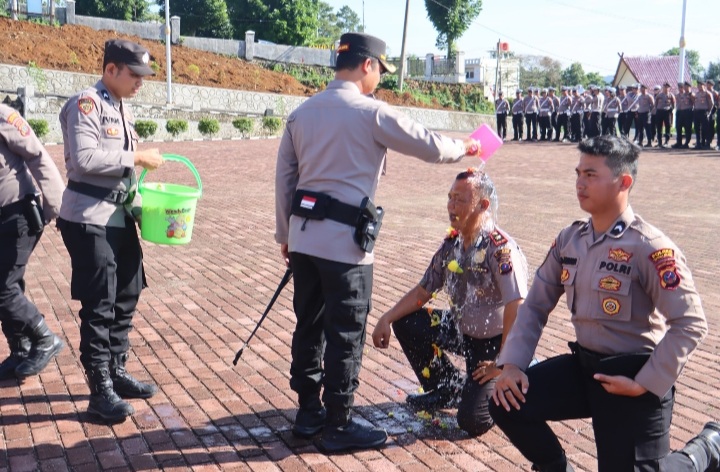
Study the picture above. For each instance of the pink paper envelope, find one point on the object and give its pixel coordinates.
(489, 141)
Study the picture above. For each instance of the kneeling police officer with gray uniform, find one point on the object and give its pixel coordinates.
(97, 222)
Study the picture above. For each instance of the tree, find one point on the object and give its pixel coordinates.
(292, 22)
(348, 20)
(594, 78)
(451, 19)
(128, 10)
(205, 18)
(697, 71)
(574, 75)
(327, 31)
(713, 72)
(539, 71)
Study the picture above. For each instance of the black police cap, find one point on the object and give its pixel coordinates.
(134, 56)
(365, 45)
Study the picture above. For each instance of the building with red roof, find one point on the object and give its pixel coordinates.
(650, 71)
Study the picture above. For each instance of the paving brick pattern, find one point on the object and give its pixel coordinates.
(205, 298)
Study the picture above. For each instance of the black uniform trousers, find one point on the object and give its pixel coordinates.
(554, 126)
(531, 122)
(642, 127)
(662, 121)
(621, 118)
(701, 120)
(594, 124)
(576, 129)
(17, 313)
(711, 126)
(545, 127)
(331, 303)
(586, 124)
(562, 124)
(416, 335)
(610, 126)
(502, 125)
(517, 123)
(683, 126)
(107, 278)
(632, 434)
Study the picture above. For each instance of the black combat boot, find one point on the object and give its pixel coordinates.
(125, 384)
(104, 401)
(439, 398)
(45, 346)
(341, 433)
(19, 350)
(560, 465)
(310, 418)
(704, 449)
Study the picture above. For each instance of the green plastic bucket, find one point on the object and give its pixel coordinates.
(168, 210)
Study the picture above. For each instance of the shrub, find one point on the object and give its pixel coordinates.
(40, 127)
(244, 125)
(193, 71)
(175, 127)
(208, 126)
(271, 124)
(155, 67)
(145, 128)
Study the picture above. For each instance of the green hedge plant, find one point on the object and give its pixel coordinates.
(39, 126)
(245, 125)
(271, 124)
(208, 126)
(145, 128)
(175, 127)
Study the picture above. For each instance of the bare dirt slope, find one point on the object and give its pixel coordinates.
(80, 48)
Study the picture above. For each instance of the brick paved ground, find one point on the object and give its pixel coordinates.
(205, 298)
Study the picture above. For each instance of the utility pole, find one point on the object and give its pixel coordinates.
(497, 67)
(681, 66)
(401, 79)
(168, 59)
(363, 16)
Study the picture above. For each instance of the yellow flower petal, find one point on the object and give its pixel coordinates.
(453, 266)
(426, 373)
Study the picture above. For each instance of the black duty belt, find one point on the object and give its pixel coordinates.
(592, 362)
(12, 208)
(343, 213)
(101, 193)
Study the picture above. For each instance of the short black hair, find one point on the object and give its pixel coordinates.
(352, 61)
(620, 154)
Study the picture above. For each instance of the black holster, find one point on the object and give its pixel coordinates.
(366, 219)
(32, 209)
(627, 365)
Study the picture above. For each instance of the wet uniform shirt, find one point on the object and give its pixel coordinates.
(480, 281)
(335, 143)
(629, 291)
(100, 140)
(22, 157)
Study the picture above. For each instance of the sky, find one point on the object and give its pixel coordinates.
(592, 32)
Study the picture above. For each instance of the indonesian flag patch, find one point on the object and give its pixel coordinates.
(308, 202)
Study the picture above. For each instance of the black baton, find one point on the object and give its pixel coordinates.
(286, 278)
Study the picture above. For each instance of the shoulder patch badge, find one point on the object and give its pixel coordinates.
(669, 278)
(504, 261)
(662, 256)
(21, 125)
(610, 284)
(611, 306)
(619, 255)
(86, 105)
(497, 238)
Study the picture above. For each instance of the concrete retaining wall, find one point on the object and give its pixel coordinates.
(48, 90)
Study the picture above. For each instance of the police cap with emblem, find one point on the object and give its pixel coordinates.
(134, 56)
(365, 45)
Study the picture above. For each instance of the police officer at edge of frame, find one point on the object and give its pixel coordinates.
(97, 221)
(329, 163)
(22, 218)
(637, 318)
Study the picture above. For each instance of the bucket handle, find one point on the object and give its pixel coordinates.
(177, 158)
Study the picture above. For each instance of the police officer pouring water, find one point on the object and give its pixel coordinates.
(97, 220)
(22, 218)
(329, 162)
(637, 319)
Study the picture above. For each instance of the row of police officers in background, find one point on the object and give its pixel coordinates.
(579, 113)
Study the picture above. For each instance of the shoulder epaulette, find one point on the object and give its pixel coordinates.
(498, 238)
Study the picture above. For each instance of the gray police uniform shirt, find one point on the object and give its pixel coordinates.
(628, 291)
(664, 101)
(335, 143)
(565, 103)
(518, 105)
(612, 107)
(492, 273)
(646, 103)
(22, 157)
(546, 106)
(704, 100)
(99, 142)
(501, 106)
(530, 104)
